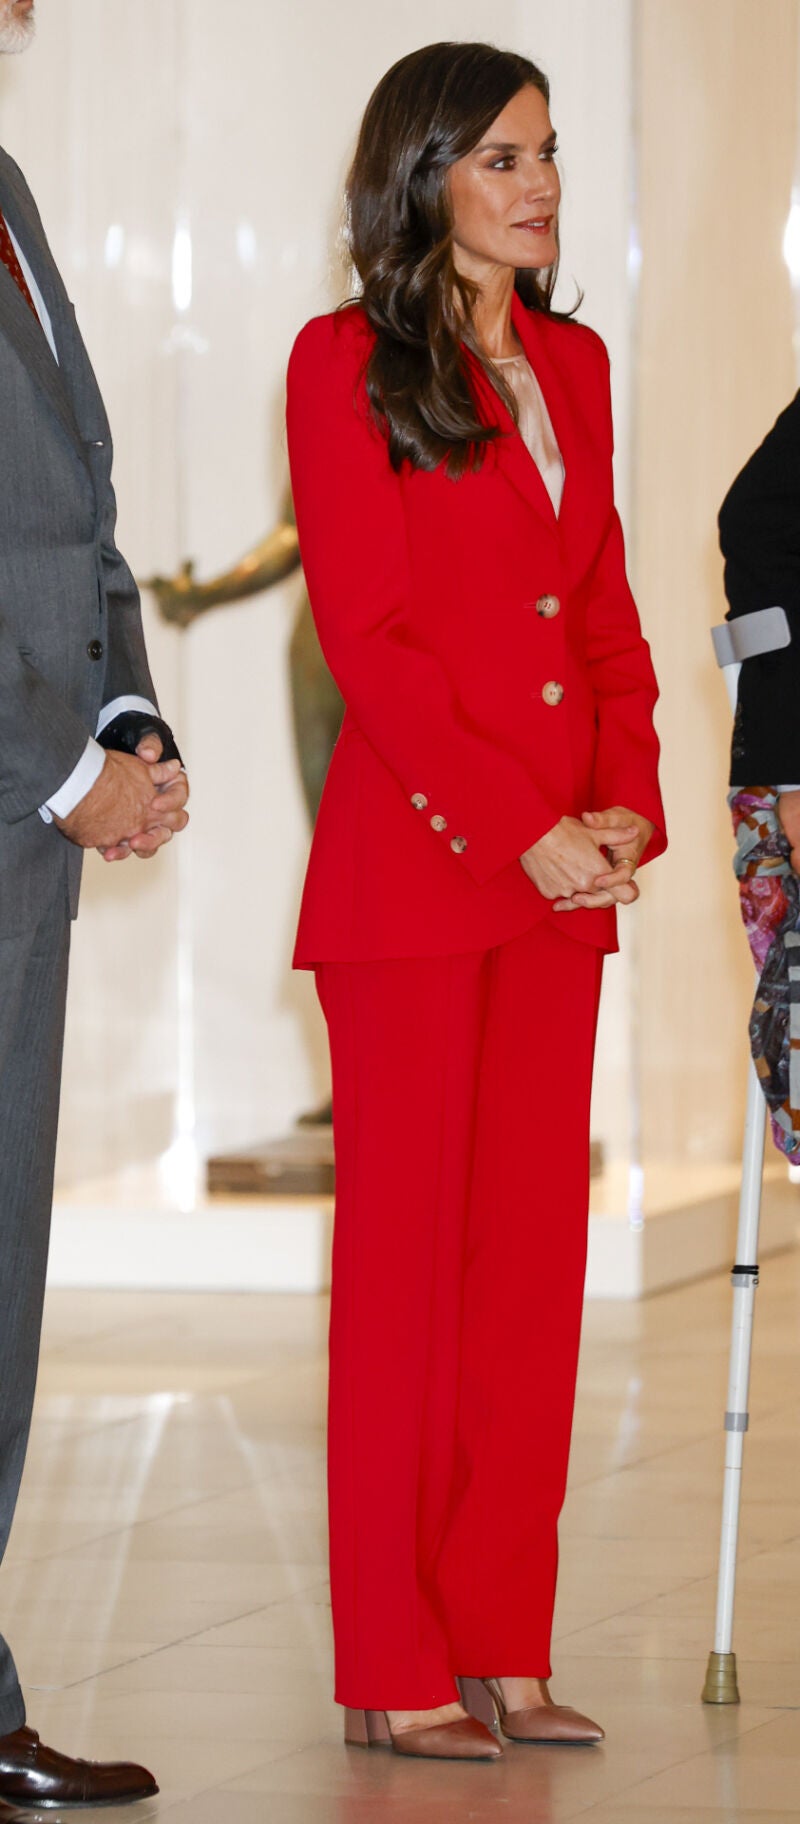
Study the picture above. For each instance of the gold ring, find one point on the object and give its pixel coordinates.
(626, 860)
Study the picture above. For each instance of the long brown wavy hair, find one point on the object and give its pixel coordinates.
(428, 111)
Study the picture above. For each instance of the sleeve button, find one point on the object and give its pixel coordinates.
(438, 823)
(419, 801)
(458, 844)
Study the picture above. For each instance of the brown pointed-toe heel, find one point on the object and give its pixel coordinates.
(366, 1729)
(477, 1699)
(463, 1740)
(545, 1723)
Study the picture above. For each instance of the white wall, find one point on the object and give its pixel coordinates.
(232, 124)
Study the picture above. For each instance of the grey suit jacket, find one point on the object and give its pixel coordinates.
(70, 619)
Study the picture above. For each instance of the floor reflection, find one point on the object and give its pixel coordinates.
(166, 1588)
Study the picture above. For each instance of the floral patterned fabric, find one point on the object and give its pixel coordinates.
(769, 892)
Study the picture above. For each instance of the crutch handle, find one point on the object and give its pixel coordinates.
(747, 636)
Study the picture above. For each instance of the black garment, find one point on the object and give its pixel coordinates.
(129, 728)
(759, 527)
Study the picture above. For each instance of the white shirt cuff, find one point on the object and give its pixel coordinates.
(787, 788)
(80, 781)
(120, 707)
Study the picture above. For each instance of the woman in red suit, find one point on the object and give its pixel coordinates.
(491, 794)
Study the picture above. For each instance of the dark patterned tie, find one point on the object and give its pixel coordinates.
(9, 258)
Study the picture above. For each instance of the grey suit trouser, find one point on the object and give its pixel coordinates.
(33, 990)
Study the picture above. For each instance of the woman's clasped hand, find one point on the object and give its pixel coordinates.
(590, 861)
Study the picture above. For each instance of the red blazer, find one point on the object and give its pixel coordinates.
(427, 594)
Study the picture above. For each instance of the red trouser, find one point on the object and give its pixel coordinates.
(461, 1091)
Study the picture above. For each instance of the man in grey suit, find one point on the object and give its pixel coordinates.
(85, 762)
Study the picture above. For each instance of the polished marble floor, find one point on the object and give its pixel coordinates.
(166, 1589)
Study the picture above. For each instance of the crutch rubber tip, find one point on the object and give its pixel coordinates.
(721, 1686)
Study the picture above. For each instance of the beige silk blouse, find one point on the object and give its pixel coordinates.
(535, 424)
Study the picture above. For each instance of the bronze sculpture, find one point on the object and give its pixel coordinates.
(317, 710)
(317, 707)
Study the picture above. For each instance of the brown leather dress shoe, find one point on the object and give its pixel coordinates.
(463, 1740)
(545, 1722)
(32, 1774)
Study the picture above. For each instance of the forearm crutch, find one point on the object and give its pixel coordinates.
(735, 642)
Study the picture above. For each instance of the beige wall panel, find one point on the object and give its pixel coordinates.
(717, 87)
